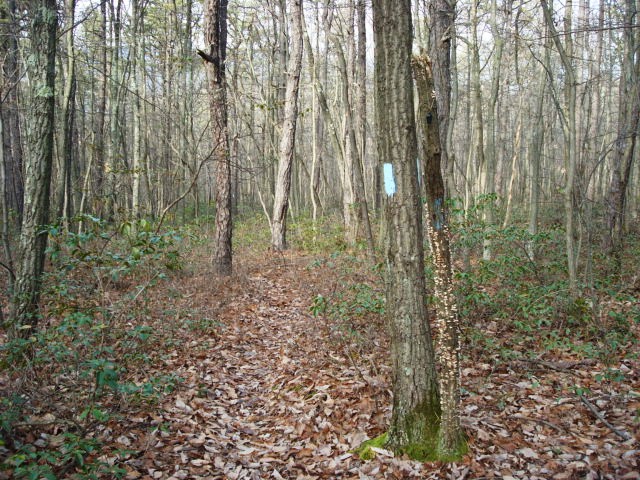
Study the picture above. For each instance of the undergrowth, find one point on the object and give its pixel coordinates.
(86, 362)
(89, 361)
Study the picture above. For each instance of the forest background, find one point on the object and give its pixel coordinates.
(132, 149)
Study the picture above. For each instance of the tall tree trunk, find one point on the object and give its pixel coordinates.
(43, 22)
(114, 160)
(287, 143)
(65, 197)
(216, 39)
(534, 159)
(442, 14)
(514, 169)
(98, 157)
(476, 149)
(416, 408)
(137, 88)
(12, 143)
(4, 232)
(451, 441)
(626, 139)
(357, 210)
(488, 168)
(568, 113)
(361, 98)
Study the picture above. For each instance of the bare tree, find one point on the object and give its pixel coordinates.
(451, 441)
(287, 142)
(626, 139)
(569, 129)
(216, 38)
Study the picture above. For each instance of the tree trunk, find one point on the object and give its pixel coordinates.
(451, 441)
(416, 408)
(355, 204)
(287, 143)
(568, 119)
(534, 160)
(488, 167)
(43, 22)
(4, 233)
(137, 89)
(625, 144)
(12, 142)
(65, 197)
(98, 159)
(476, 149)
(216, 39)
(442, 14)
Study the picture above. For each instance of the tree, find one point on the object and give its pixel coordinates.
(12, 138)
(43, 23)
(441, 32)
(64, 207)
(216, 38)
(626, 139)
(416, 407)
(569, 129)
(287, 142)
(451, 442)
(355, 208)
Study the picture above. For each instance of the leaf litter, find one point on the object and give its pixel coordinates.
(274, 392)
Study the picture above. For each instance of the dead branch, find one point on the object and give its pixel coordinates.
(620, 433)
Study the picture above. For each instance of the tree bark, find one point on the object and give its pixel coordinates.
(416, 408)
(137, 89)
(43, 22)
(12, 142)
(534, 157)
(488, 167)
(355, 201)
(216, 39)
(287, 142)
(65, 196)
(626, 139)
(451, 442)
(442, 14)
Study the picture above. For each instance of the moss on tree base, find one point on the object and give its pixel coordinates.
(452, 454)
(426, 452)
(364, 450)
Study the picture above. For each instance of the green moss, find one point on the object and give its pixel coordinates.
(452, 454)
(422, 452)
(417, 436)
(364, 450)
(415, 433)
(428, 451)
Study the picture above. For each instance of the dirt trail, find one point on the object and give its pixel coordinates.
(273, 397)
(273, 392)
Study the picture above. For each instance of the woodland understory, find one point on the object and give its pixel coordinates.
(146, 366)
(319, 239)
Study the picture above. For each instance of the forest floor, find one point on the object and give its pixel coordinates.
(265, 383)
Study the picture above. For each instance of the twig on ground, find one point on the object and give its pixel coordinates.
(557, 428)
(564, 368)
(620, 433)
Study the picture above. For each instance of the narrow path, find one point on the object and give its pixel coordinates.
(273, 392)
(273, 398)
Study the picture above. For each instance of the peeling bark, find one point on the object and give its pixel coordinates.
(451, 442)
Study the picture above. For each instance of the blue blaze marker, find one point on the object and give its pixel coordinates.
(389, 180)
